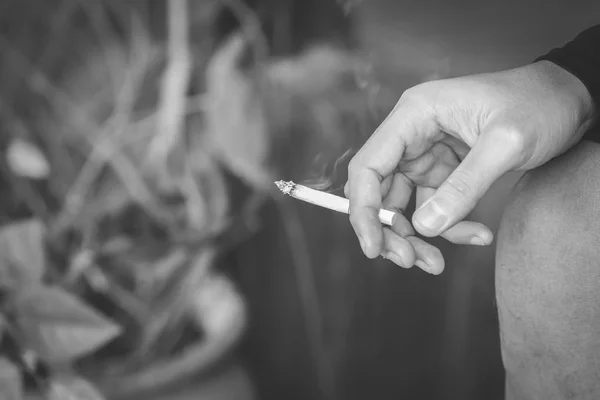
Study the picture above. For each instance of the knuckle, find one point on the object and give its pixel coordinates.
(420, 101)
(423, 92)
(511, 138)
(353, 167)
(416, 91)
(515, 140)
(413, 96)
(347, 189)
(514, 145)
(460, 184)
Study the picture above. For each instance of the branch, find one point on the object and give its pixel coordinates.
(101, 148)
(251, 26)
(175, 83)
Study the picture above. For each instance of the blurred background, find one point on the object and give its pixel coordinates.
(138, 145)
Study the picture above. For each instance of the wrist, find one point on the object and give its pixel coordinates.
(571, 89)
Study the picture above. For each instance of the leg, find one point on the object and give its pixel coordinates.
(548, 280)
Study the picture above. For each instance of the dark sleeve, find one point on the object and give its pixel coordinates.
(581, 57)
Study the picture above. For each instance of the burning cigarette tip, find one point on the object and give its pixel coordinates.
(285, 187)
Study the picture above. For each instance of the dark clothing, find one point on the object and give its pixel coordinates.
(581, 57)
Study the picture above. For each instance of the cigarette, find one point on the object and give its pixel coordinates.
(327, 200)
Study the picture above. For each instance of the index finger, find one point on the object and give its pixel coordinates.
(377, 159)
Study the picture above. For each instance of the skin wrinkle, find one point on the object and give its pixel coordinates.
(428, 165)
(433, 130)
(459, 119)
(548, 280)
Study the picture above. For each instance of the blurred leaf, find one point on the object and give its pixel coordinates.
(73, 388)
(10, 381)
(236, 127)
(11, 277)
(22, 257)
(316, 71)
(26, 160)
(218, 305)
(58, 326)
(208, 205)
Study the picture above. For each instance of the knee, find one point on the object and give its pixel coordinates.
(552, 218)
(553, 209)
(547, 268)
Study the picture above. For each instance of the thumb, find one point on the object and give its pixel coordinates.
(488, 160)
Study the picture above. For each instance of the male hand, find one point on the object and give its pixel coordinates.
(451, 140)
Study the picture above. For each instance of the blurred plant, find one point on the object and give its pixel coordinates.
(43, 327)
(141, 161)
(129, 196)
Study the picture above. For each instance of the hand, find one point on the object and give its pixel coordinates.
(451, 140)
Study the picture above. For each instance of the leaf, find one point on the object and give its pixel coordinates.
(73, 388)
(316, 71)
(11, 387)
(58, 326)
(26, 160)
(22, 257)
(236, 128)
(218, 305)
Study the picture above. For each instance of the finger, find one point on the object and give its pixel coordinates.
(491, 157)
(397, 249)
(399, 193)
(428, 257)
(385, 186)
(431, 168)
(460, 148)
(464, 232)
(396, 199)
(374, 161)
(365, 203)
(469, 232)
(402, 226)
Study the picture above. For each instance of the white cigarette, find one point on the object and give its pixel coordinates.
(327, 200)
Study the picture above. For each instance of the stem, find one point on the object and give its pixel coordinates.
(175, 83)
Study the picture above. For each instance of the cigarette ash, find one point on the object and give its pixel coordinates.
(286, 187)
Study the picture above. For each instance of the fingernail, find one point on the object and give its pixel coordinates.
(395, 258)
(423, 265)
(430, 217)
(477, 241)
